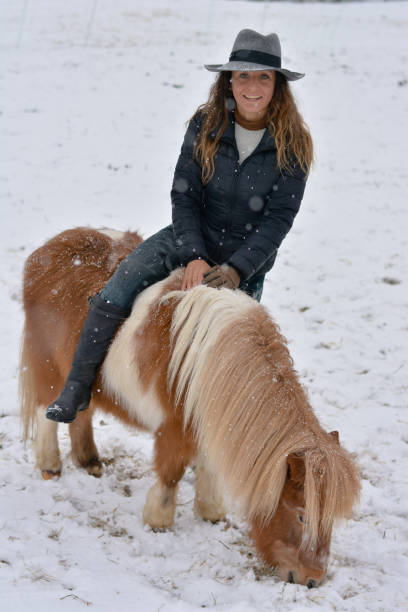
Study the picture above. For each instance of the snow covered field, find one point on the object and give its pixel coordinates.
(93, 100)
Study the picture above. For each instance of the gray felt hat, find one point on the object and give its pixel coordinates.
(253, 51)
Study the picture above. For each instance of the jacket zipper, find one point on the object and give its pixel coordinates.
(237, 172)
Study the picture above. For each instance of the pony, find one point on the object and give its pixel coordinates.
(209, 374)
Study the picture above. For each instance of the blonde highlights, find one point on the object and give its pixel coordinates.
(285, 124)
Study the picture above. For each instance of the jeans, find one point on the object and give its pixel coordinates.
(150, 262)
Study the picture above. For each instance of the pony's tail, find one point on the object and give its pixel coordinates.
(27, 389)
(332, 487)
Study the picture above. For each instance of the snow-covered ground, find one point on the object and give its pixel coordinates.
(93, 100)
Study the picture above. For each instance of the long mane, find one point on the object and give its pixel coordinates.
(231, 369)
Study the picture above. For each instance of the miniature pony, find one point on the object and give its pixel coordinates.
(209, 374)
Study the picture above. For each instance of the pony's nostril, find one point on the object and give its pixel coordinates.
(291, 577)
(311, 584)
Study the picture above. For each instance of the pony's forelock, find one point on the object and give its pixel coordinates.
(331, 489)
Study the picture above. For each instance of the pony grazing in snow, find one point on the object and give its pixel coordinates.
(209, 374)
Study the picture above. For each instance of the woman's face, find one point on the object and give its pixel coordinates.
(253, 91)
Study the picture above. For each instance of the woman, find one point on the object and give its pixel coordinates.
(237, 187)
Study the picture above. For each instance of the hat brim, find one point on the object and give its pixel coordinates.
(249, 66)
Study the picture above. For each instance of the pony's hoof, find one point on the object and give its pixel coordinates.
(94, 468)
(160, 529)
(209, 511)
(50, 474)
(158, 521)
(160, 507)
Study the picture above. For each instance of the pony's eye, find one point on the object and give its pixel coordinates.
(300, 517)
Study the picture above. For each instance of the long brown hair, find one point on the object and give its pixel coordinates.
(285, 123)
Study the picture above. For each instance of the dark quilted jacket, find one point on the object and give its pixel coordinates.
(242, 215)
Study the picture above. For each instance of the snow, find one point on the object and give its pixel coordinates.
(93, 104)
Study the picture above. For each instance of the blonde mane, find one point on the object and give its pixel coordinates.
(232, 371)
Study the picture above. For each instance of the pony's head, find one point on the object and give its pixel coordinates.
(320, 487)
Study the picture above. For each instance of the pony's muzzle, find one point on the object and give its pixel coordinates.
(294, 577)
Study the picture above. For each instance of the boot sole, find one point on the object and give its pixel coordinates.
(58, 419)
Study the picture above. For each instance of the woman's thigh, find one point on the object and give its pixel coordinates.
(149, 263)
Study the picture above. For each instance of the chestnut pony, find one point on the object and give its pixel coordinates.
(209, 374)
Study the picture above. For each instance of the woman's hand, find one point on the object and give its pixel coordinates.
(194, 273)
(222, 276)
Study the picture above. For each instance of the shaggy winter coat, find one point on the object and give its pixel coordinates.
(243, 213)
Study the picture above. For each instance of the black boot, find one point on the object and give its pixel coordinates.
(102, 321)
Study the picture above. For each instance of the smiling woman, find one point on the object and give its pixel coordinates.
(238, 185)
(253, 92)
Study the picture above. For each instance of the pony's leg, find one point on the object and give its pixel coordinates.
(47, 452)
(160, 506)
(173, 451)
(208, 501)
(84, 452)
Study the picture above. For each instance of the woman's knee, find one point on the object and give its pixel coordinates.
(150, 262)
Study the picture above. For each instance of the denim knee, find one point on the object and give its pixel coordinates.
(149, 263)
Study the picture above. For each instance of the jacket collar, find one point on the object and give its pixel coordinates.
(267, 142)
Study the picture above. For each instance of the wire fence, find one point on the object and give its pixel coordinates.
(18, 19)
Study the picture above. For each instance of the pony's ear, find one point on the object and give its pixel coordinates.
(296, 468)
(335, 436)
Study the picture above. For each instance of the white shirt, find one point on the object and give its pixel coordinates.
(247, 140)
